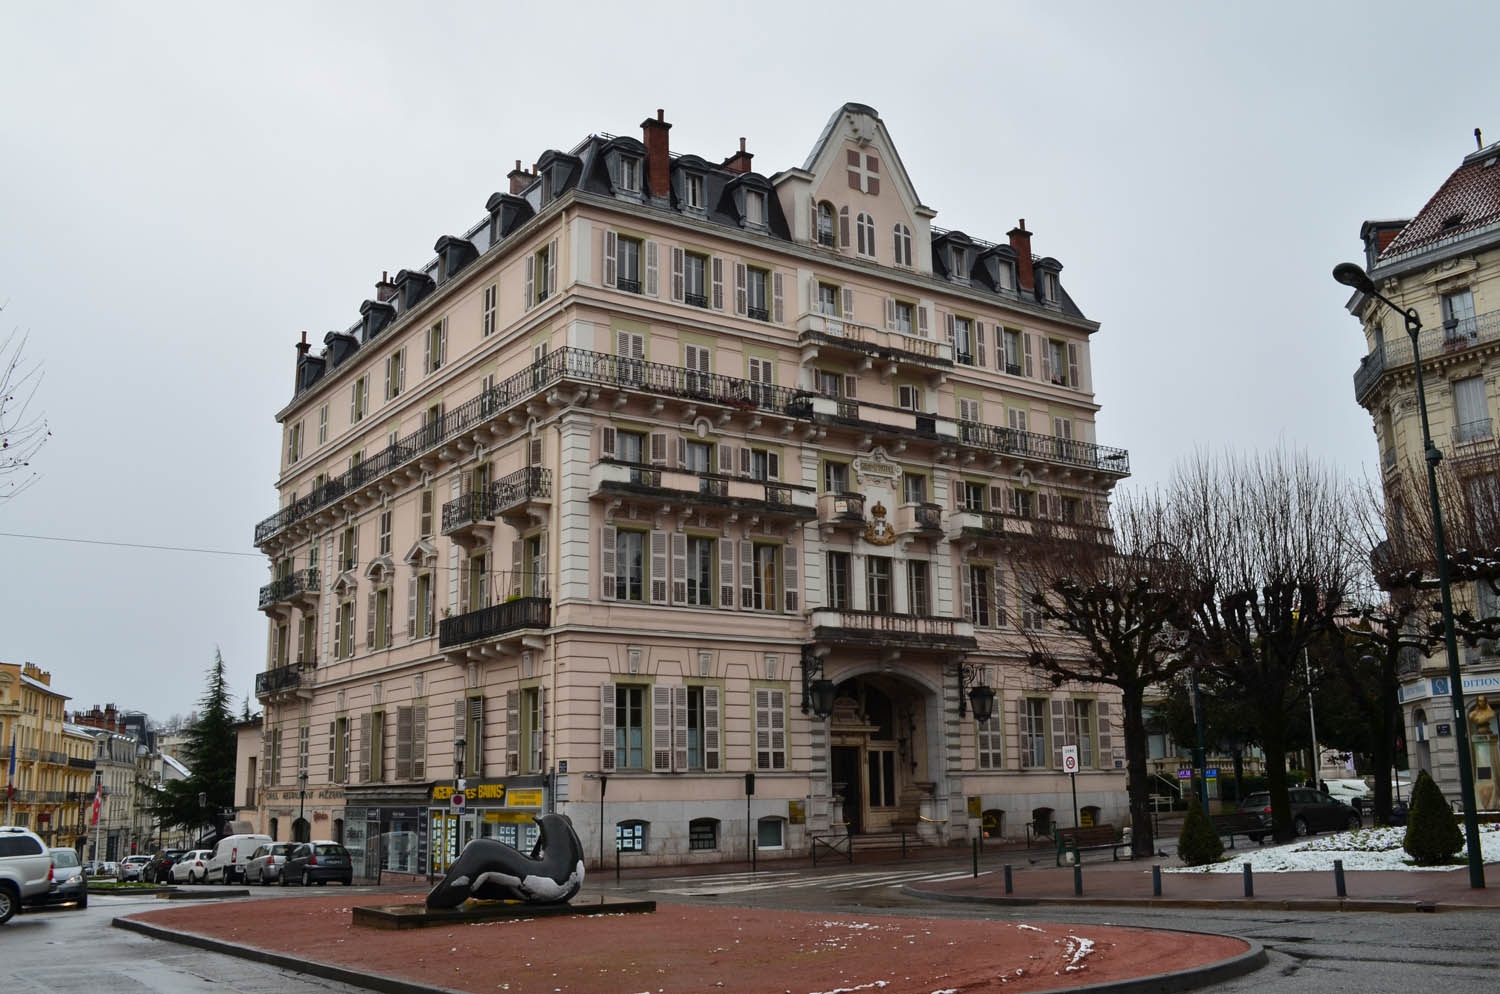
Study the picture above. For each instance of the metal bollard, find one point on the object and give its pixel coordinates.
(1156, 880)
(1249, 882)
(1077, 879)
(1338, 878)
(1009, 887)
(975, 849)
(617, 864)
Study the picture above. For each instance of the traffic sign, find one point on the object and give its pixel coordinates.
(1070, 759)
(1184, 774)
(457, 800)
(1212, 773)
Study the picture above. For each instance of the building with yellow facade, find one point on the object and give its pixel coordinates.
(54, 770)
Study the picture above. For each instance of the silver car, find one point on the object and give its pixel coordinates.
(131, 867)
(265, 863)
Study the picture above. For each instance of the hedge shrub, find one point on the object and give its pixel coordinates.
(1198, 843)
(1432, 834)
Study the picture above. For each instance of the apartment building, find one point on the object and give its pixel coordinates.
(586, 509)
(1445, 263)
(53, 769)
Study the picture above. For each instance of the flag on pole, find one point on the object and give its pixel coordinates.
(10, 773)
(98, 792)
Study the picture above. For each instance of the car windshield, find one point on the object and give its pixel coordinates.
(334, 850)
(64, 857)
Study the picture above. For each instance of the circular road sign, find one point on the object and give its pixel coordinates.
(457, 799)
(1070, 759)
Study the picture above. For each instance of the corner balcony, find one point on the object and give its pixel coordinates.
(879, 629)
(297, 588)
(294, 680)
(841, 510)
(524, 496)
(504, 622)
(470, 518)
(1438, 347)
(887, 349)
(685, 488)
(996, 525)
(919, 519)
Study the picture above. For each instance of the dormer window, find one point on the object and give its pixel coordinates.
(1005, 276)
(693, 192)
(958, 259)
(1049, 287)
(630, 174)
(755, 207)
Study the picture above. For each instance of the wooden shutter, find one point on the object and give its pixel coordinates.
(659, 585)
(1026, 351)
(679, 568)
(651, 269)
(745, 458)
(682, 439)
(370, 620)
(777, 305)
(726, 573)
(463, 585)
(333, 735)
(411, 606)
(716, 270)
(922, 320)
(965, 590)
(338, 631)
(534, 451)
(1020, 739)
(661, 728)
(711, 729)
(607, 562)
(607, 727)
(541, 730)
(789, 576)
(778, 729)
(611, 248)
(606, 442)
(513, 731)
(1059, 732)
(442, 356)
(679, 728)
(851, 386)
(844, 227)
(419, 742)
(539, 580)
(460, 720)
(677, 278)
(1046, 360)
(979, 358)
(747, 575)
(726, 453)
(517, 553)
(890, 313)
(762, 729)
(403, 743)
(1001, 615)
(1104, 755)
(952, 338)
(364, 747)
(476, 735)
(552, 266)
(1073, 377)
(530, 292)
(847, 304)
(658, 448)
(741, 294)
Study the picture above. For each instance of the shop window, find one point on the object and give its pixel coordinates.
(703, 834)
(769, 833)
(630, 836)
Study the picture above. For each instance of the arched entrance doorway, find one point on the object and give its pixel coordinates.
(301, 831)
(877, 752)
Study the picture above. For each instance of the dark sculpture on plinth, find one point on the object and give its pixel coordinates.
(493, 871)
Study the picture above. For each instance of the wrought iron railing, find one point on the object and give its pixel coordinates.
(1049, 447)
(1388, 457)
(927, 517)
(275, 680)
(695, 299)
(301, 582)
(497, 619)
(758, 313)
(1472, 431)
(843, 506)
(530, 483)
(470, 509)
(629, 286)
(1467, 333)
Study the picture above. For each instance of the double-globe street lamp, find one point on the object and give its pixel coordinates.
(1356, 278)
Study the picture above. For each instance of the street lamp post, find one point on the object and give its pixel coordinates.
(302, 804)
(1352, 276)
(202, 815)
(1200, 754)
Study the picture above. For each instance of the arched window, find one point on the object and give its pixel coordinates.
(703, 834)
(274, 836)
(864, 228)
(824, 233)
(630, 836)
(903, 245)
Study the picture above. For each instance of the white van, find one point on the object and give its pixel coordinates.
(230, 857)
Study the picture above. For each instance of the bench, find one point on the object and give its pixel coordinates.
(1098, 837)
(1239, 823)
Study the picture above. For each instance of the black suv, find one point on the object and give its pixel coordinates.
(1312, 811)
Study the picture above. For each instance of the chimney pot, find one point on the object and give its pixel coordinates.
(1020, 243)
(661, 115)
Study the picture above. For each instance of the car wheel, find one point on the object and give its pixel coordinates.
(284, 882)
(7, 903)
(347, 882)
(192, 879)
(1301, 827)
(306, 879)
(1256, 837)
(83, 902)
(1354, 823)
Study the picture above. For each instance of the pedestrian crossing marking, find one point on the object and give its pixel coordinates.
(748, 882)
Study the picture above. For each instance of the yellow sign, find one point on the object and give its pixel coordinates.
(795, 814)
(530, 797)
(975, 807)
(507, 817)
(478, 792)
(1085, 818)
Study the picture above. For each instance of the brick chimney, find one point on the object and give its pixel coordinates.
(739, 162)
(385, 289)
(1020, 243)
(658, 161)
(519, 178)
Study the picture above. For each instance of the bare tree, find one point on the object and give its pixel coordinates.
(1270, 539)
(23, 431)
(1118, 600)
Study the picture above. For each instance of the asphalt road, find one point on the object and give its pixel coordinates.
(63, 952)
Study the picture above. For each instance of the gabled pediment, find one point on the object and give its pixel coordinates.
(381, 569)
(422, 553)
(346, 583)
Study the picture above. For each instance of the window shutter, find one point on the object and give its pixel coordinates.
(607, 562)
(979, 344)
(659, 567)
(651, 269)
(476, 734)
(789, 576)
(460, 720)
(744, 460)
(773, 466)
(552, 266)
(890, 313)
(661, 728)
(606, 442)
(1026, 349)
(463, 586)
(997, 499)
(762, 729)
(364, 747)
(517, 552)
(1046, 361)
(401, 370)
(658, 448)
(716, 269)
(679, 728)
(513, 731)
(534, 452)
(442, 356)
(403, 743)
(847, 304)
(726, 457)
(778, 729)
(338, 631)
(1070, 723)
(1104, 755)
(1001, 602)
(679, 568)
(419, 742)
(812, 220)
(682, 449)
(726, 573)
(606, 728)
(843, 227)
(390, 617)
(851, 385)
(541, 730)
(741, 294)
(747, 575)
(539, 585)
(530, 291)
(711, 723)
(1073, 378)
(948, 324)
(1062, 427)
(333, 736)
(677, 278)
(370, 620)
(1059, 733)
(965, 591)
(611, 248)
(777, 307)
(389, 381)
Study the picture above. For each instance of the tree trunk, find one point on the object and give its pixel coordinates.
(1281, 805)
(1384, 753)
(1142, 841)
(1239, 775)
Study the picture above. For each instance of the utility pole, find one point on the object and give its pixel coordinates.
(1311, 722)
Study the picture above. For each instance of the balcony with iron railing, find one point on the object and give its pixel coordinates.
(1455, 336)
(974, 523)
(1469, 432)
(470, 514)
(685, 486)
(898, 347)
(521, 491)
(564, 366)
(918, 518)
(298, 586)
(281, 680)
(884, 628)
(509, 618)
(841, 510)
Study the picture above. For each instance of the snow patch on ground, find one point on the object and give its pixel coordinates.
(1031, 928)
(1078, 948)
(1361, 849)
(857, 987)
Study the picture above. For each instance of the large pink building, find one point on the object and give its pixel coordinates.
(657, 444)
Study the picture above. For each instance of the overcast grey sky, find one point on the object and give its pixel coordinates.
(188, 186)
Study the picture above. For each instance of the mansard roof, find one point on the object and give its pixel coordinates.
(1468, 203)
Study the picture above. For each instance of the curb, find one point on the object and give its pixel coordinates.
(192, 895)
(1233, 904)
(327, 971)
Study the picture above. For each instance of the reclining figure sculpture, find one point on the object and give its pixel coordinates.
(493, 871)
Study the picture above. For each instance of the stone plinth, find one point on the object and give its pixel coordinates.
(404, 916)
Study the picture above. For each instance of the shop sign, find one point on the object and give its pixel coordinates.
(528, 797)
(477, 792)
(975, 806)
(796, 814)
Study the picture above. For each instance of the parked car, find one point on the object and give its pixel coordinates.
(1312, 811)
(191, 867)
(265, 863)
(25, 870)
(229, 857)
(318, 862)
(131, 867)
(69, 884)
(157, 870)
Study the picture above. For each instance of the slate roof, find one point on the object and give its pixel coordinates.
(1467, 202)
